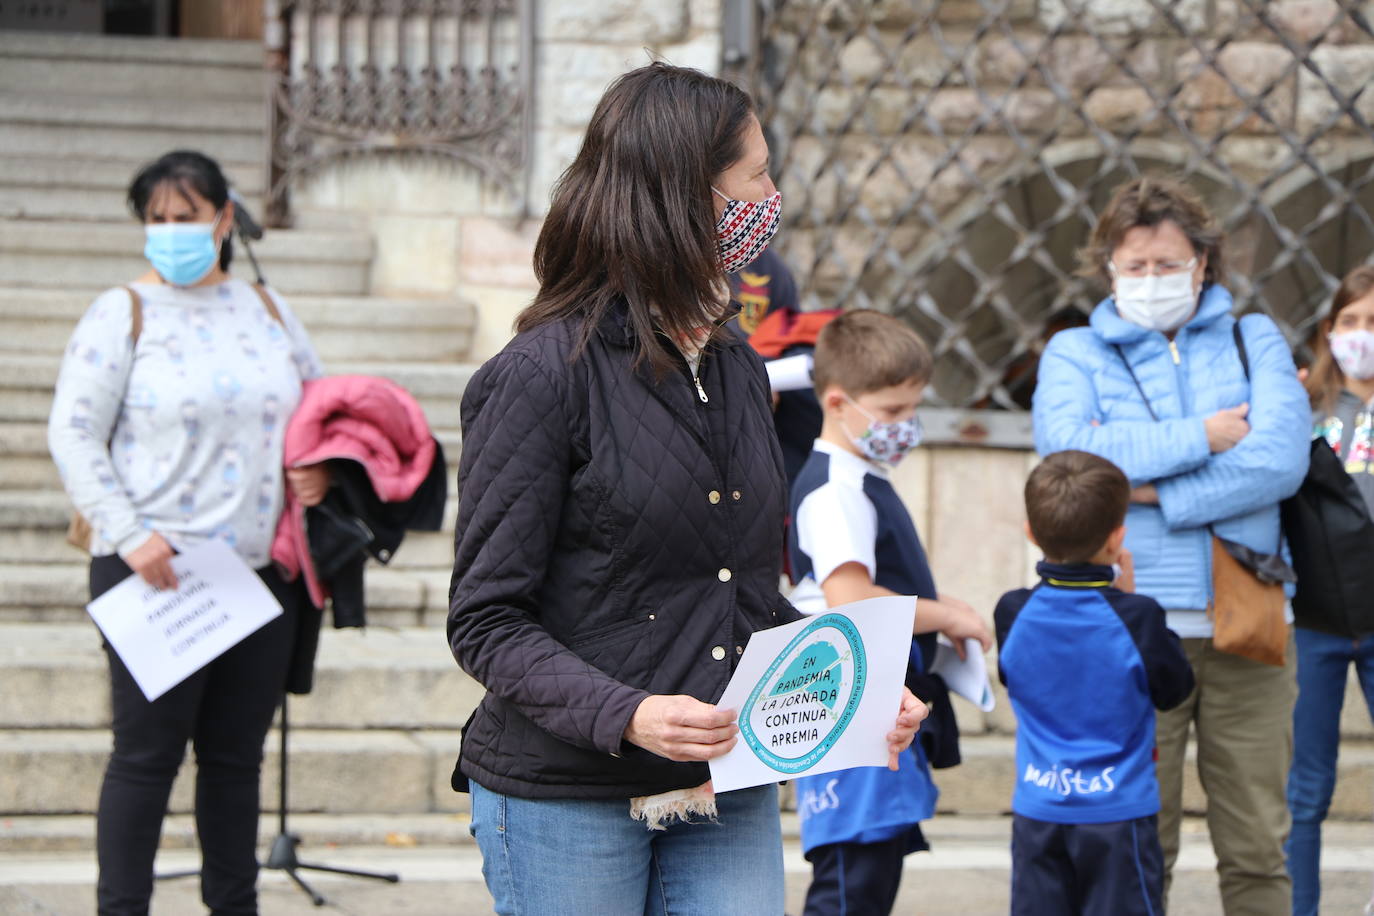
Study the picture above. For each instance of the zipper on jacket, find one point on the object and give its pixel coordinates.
(1173, 351)
(701, 392)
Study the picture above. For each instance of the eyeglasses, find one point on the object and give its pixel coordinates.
(1145, 268)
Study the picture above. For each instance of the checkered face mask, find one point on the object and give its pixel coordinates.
(745, 229)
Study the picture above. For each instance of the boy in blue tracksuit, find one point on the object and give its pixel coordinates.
(851, 539)
(1086, 665)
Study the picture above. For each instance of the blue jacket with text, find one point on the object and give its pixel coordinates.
(1086, 665)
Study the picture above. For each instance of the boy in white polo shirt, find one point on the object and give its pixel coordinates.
(851, 539)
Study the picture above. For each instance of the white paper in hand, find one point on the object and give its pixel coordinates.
(791, 373)
(165, 636)
(966, 676)
(817, 695)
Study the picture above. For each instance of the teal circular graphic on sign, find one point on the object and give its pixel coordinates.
(804, 701)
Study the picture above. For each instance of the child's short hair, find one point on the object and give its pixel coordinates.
(862, 350)
(1074, 500)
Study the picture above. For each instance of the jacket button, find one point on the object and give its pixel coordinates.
(713, 496)
(718, 653)
(735, 495)
(739, 650)
(723, 575)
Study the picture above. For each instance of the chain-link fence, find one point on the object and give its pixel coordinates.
(943, 160)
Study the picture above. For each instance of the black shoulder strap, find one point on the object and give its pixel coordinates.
(1127, 363)
(1240, 348)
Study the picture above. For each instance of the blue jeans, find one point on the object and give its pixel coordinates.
(1323, 663)
(551, 856)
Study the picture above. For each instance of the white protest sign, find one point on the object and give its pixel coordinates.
(165, 636)
(818, 695)
(967, 676)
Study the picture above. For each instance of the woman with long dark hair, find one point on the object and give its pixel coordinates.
(167, 426)
(620, 527)
(1331, 638)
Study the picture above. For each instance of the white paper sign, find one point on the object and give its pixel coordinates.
(165, 636)
(967, 676)
(791, 373)
(818, 695)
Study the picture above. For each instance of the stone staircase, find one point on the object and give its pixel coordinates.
(376, 741)
(78, 116)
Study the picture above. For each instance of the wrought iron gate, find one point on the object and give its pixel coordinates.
(943, 159)
(443, 77)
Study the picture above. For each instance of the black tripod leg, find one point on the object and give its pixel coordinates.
(310, 892)
(283, 854)
(357, 873)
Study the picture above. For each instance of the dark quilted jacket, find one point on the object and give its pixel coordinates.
(616, 538)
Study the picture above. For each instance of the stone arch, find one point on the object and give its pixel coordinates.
(997, 278)
(1311, 227)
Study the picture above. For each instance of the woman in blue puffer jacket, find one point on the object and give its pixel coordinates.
(1156, 384)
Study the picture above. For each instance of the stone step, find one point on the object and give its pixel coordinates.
(25, 463)
(26, 385)
(58, 771)
(75, 255)
(70, 48)
(247, 117)
(174, 70)
(424, 551)
(342, 328)
(400, 678)
(983, 783)
(100, 204)
(108, 173)
(57, 592)
(244, 142)
(58, 833)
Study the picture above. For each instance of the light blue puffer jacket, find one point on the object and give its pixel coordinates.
(1085, 399)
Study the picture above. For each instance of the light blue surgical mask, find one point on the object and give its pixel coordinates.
(182, 253)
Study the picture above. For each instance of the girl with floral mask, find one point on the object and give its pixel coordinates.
(1341, 388)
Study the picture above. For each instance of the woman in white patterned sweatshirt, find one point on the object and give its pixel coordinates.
(167, 427)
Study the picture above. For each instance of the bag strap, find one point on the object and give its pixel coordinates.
(1240, 348)
(135, 314)
(268, 304)
(1138, 387)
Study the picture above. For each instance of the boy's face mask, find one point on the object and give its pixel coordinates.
(886, 443)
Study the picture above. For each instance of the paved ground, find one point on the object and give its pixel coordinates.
(965, 876)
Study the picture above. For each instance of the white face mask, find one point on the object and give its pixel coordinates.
(1354, 353)
(1154, 302)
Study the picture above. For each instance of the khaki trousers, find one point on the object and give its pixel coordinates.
(1242, 715)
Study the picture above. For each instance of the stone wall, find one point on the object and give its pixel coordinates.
(439, 231)
(944, 160)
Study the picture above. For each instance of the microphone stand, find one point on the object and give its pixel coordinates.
(283, 854)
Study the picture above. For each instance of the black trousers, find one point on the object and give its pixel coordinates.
(855, 879)
(224, 710)
(1112, 869)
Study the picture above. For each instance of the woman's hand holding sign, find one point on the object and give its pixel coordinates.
(908, 723)
(683, 728)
